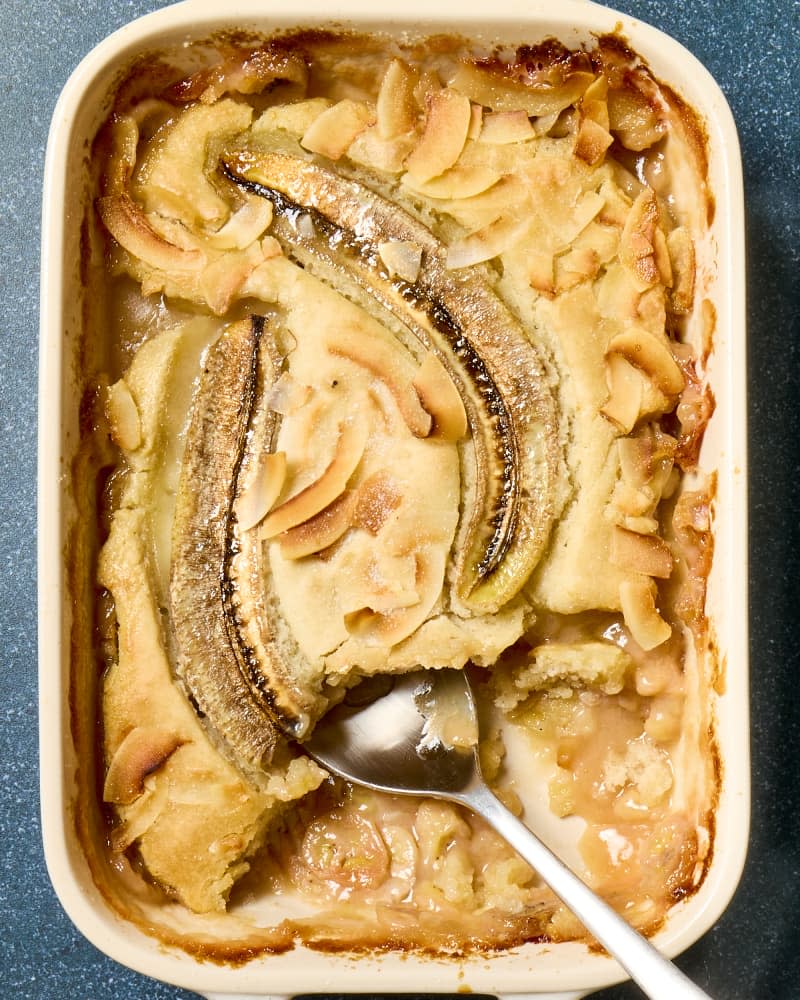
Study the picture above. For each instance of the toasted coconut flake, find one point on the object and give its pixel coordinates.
(594, 103)
(324, 490)
(126, 222)
(692, 515)
(123, 416)
(566, 124)
(617, 204)
(364, 623)
(624, 402)
(601, 240)
(502, 94)
(682, 259)
(662, 474)
(259, 498)
(294, 119)
(382, 583)
(632, 501)
(585, 210)
(396, 109)
(287, 395)
(446, 126)
(409, 608)
(144, 750)
(575, 266)
(224, 277)
(427, 85)
(486, 243)
(382, 360)
(638, 600)
(403, 258)
(596, 91)
(332, 132)
(389, 155)
(244, 227)
(502, 127)
(544, 123)
(441, 398)
(641, 525)
(637, 245)
(320, 531)
(654, 401)
(643, 457)
(662, 258)
(270, 248)
(641, 553)
(141, 814)
(475, 123)
(176, 232)
(304, 225)
(652, 356)
(592, 141)
(461, 181)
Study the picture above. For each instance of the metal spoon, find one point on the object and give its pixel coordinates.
(417, 735)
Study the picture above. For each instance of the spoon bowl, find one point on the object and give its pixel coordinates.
(390, 733)
(417, 734)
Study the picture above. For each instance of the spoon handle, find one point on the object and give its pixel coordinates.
(655, 974)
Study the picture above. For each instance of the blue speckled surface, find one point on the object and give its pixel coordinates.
(752, 50)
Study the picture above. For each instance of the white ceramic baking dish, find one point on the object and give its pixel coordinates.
(568, 970)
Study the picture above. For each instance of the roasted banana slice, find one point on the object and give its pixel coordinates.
(338, 227)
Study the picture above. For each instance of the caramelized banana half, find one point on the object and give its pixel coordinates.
(337, 227)
(231, 656)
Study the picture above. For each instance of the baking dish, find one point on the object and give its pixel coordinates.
(534, 969)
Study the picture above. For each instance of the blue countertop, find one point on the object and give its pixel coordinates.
(753, 52)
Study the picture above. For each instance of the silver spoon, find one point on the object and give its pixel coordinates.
(417, 735)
